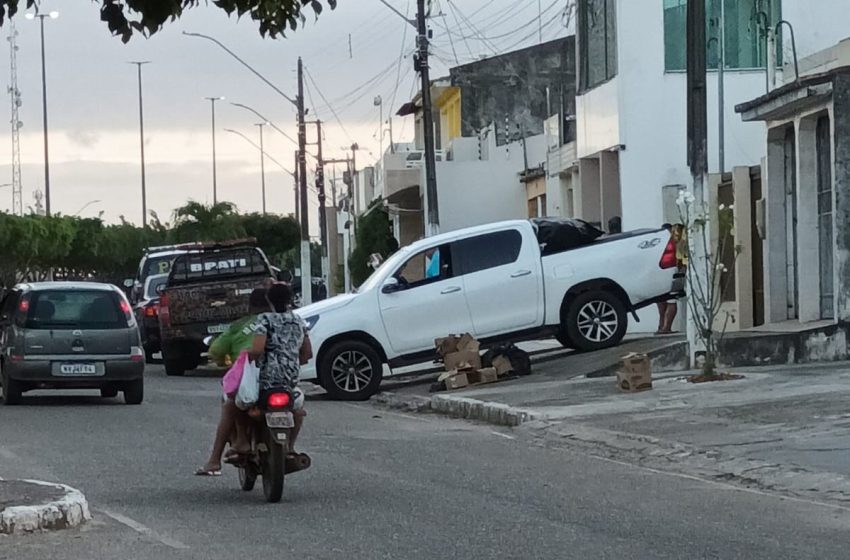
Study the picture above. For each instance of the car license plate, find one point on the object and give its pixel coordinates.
(280, 420)
(217, 329)
(77, 369)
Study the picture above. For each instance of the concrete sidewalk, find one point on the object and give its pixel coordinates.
(783, 428)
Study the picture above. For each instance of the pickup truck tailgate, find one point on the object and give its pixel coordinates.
(221, 302)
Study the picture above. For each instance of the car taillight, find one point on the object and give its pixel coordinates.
(24, 305)
(137, 354)
(278, 400)
(668, 259)
(150, 311)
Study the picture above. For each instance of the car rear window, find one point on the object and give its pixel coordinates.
(74, 309)
(218, 265)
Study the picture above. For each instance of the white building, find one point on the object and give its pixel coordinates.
(631, 108)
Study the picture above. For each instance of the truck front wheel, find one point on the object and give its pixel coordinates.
(595, 320)
(351, 370)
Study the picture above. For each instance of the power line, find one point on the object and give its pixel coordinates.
(336, 116)
(472, 27)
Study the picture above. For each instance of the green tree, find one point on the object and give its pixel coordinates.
(198, 222)
(126, 17)
(275, 235)
(374, 234)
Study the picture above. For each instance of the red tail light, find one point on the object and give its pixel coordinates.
(164, 315)
(278, 400)
(668, 259)
(24, 305)
(150, 311)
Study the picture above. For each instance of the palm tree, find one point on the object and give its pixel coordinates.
(198, 222)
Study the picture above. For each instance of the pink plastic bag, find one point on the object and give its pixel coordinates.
(231, 380)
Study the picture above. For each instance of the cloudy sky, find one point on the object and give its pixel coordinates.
(93, 111)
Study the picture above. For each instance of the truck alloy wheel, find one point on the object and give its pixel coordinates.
(595, 320)
(351, 371)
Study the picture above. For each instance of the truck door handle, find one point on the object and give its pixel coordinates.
(520, 273)
(451, 290)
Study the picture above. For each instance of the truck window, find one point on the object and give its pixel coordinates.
(218, 265)
(423, 268)
(490, 250)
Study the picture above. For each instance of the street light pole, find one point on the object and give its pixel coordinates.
(262, 165)
(139, 65)
(41, 17)
(212, 101)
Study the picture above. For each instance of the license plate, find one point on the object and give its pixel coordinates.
(77, 369)
(280, 420)
(217, 329)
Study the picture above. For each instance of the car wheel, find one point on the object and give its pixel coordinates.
(596, 320)
(175, 368)
(109, 392)
(134, 392)
(351, 371)
(12, 391)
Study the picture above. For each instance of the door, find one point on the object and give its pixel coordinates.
(502, 280)
(792, 294)
(825, 235)
(429, 303)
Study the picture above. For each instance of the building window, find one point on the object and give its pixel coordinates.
(598, 42)
(745, 39)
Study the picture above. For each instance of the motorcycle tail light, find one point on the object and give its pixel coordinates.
(279, 400)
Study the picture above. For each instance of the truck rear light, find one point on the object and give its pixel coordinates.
(24, 305)
(668, 259)
(150, 311)
(164, 314)
(16, 358)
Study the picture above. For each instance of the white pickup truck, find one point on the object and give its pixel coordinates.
(498, 282)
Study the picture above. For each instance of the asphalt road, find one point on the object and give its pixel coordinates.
(383, 485)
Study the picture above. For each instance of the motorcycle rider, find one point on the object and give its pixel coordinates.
(281, 346)
(224, 351)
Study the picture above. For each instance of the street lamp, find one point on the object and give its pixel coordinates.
(212, 101)
(262, 164)
(379, 102)
(86, 205)
(41, 17)
(139, 65)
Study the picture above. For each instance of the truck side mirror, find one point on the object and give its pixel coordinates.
(391, 285)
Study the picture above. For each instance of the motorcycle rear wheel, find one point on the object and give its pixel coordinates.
(273, 471)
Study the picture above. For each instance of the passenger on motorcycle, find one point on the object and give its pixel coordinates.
(224, 351)
(281, 346)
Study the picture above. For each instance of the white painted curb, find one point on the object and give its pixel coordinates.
(494, 413)
(69, 511)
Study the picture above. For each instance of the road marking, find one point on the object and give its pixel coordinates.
(501, 435)
(724, 485)
(143, 530)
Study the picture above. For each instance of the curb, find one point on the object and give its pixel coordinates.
(494, 413)
(69, 511)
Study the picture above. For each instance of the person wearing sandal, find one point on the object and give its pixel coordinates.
(281, 346)
(224, 351)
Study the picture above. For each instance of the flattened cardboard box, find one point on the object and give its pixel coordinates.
(464, 359)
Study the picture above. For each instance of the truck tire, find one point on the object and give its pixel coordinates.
(12, 391)
(351, 370)
(595, 320)
(175, 367)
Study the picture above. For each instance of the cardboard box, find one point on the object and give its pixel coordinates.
(458, 381)
(502, 365)
(446, 345)
(464, 359)
(487, 375)
(635, 373)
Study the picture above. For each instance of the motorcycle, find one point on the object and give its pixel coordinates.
(271, 436)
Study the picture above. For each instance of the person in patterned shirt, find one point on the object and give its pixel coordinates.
(281, 346)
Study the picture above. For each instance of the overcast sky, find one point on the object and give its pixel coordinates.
(93, 110)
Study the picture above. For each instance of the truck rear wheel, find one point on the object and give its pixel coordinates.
(175, 367)
(595, 320)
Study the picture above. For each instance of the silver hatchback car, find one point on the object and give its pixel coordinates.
(70, 335)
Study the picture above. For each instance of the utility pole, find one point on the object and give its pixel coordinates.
(296, 186)
(320, 185)
(262, 166)
(697, 156)
(306, 269)
(139, 65)
(15, 94)
(721, 68)
(421, 65)
(212, 101)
